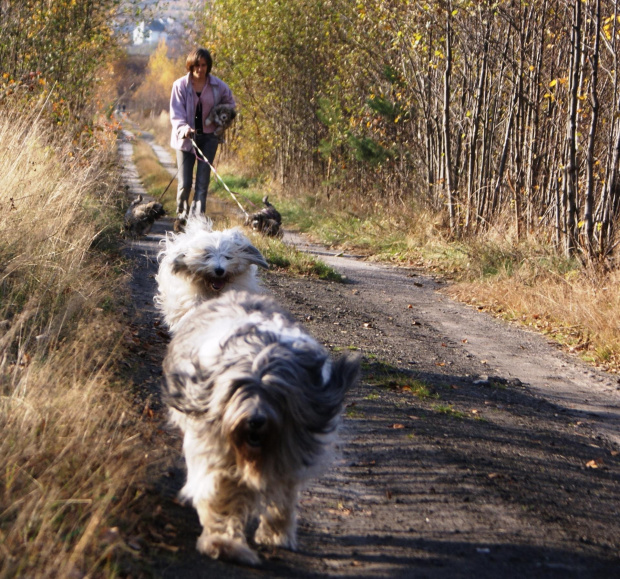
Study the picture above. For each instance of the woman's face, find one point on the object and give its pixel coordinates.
(199, 72)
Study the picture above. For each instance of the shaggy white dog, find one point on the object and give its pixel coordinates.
(200, 264)
(258, 401)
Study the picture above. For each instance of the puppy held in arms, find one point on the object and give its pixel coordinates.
(222, 117)
(258, 401)
(201, 264)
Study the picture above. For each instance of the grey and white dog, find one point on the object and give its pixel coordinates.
(201, 264)
(139, 217)
(222, 117)
(258, 401)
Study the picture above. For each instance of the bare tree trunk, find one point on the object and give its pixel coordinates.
(570, 179)
(446, 121)
(506, 147)
(473, 149)
(589, 200)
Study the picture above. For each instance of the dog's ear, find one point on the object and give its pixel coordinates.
(255, 256)
(179, 264)
(180, 393)
(344, 374)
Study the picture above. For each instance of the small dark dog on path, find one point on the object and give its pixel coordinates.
(140, 217)
(267, 221)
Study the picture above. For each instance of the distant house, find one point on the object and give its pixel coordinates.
(149, 34)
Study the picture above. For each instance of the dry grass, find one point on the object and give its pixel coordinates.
(156, 180)
(71, 445)
(578, 308)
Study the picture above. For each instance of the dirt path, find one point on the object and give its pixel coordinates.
(508, 466)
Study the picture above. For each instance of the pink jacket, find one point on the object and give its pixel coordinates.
(183, 103)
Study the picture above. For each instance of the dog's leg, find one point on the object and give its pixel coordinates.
(278, 524)
(223, 516)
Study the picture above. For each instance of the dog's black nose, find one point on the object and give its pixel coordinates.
(256, 422)
(219, 271)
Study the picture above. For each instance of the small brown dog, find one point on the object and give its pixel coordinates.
(140, 217)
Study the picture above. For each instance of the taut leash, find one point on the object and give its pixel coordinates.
(204, 159)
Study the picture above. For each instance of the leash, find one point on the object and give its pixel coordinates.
(168, 187)
(205, 160)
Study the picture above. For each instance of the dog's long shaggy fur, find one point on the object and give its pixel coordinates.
(267, 221)
(259, 401)
(139, 217)
(222, 117)
(200, 264)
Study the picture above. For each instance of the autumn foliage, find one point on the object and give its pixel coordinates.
(494, 113)
(153, 94)
(59, 50)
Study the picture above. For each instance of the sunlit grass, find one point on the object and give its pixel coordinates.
(382, 375)
(448, 410)
(71, 444)
(156, 180)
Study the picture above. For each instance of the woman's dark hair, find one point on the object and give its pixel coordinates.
(194, 57)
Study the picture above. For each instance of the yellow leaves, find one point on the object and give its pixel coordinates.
(553, 82)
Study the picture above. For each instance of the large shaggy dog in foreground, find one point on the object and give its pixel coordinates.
(200, 264)
(259, 401)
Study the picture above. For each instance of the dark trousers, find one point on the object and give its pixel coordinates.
(207, 143)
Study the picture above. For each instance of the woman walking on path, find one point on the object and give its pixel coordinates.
(193, 96)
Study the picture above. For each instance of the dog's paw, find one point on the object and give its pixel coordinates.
(179, 225)
(221, 547)
(268, 537)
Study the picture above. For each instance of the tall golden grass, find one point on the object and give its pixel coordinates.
(71, 445)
